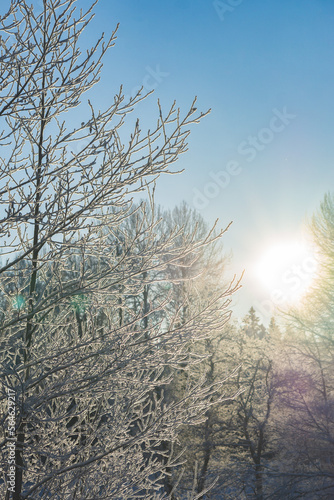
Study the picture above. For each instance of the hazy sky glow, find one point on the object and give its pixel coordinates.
(264, 156)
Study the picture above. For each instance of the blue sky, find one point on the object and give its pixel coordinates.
(252, 62)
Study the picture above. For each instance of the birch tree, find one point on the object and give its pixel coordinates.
(81, 367)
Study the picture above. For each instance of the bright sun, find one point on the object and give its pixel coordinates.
(287, 270)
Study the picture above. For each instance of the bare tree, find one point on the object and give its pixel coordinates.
(250, 443)
(306, 381)
(238, 441)
(81, 362)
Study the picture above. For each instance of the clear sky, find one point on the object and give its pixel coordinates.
(264, 156)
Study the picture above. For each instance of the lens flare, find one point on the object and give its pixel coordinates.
(287, 270)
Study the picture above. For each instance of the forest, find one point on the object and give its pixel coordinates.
(124, 373)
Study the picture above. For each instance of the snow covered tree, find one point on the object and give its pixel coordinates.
(306, 378)
(195, 284)
(82, 362)
(238, 441)
(252, 326)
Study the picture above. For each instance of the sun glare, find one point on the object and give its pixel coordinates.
(287, 270)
